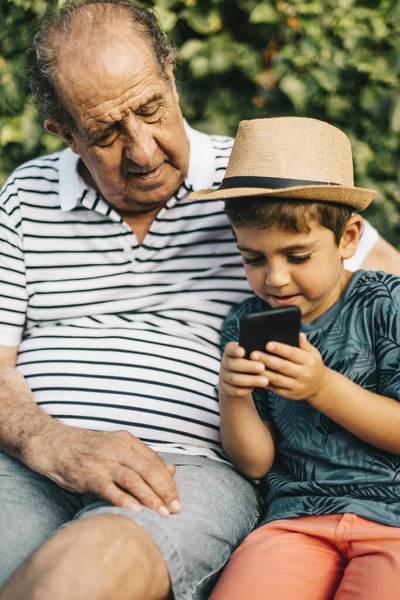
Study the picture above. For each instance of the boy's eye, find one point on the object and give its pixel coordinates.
(296, 259)
(253, 260)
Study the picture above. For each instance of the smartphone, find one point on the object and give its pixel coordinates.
(274, 325)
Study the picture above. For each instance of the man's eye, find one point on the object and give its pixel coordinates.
(296, 259)
(151, 114)
(254, 260)
(106, 139)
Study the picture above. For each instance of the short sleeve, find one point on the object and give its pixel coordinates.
(13, 294)
(368, 238)
(387, 347)
(230, 333)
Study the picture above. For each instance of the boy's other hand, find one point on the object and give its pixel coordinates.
(293, 373)
(239, 376)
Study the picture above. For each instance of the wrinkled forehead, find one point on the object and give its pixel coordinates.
(106, 76)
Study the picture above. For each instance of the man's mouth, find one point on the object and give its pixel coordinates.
(147, 175)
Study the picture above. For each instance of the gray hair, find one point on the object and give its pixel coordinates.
(41, 69)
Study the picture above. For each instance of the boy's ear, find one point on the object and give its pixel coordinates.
(351, 236)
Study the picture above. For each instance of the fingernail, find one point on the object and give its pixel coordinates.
(175, 506)
(263, 380)
(135, 507)
(164, 512)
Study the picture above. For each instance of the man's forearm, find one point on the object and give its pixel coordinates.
(22, 422)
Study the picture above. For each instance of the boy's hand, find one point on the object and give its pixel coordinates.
(293, 373)
(239, 376)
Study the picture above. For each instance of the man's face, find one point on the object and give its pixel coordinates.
(130, 133)
(289, 268)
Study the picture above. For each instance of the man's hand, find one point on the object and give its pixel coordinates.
(113, 465)
(293, 373)
(238, 376)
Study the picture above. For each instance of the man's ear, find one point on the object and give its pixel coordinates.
(351, 236)
(57, 129)
(170, 72)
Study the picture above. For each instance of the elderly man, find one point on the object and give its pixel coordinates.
(113, 288)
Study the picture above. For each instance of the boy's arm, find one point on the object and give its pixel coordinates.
(300, 374)
(247, 440)
(371, 417)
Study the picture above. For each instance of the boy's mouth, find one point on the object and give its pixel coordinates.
(283, 300)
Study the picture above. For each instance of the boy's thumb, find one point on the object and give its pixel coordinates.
(304, 344)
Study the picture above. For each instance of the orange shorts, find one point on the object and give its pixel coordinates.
(340, 557)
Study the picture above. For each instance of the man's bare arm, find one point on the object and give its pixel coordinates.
(383, 257)
(114, 465)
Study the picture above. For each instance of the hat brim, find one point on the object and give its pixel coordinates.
(357, 198)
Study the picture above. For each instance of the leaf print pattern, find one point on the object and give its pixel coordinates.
(320, 467)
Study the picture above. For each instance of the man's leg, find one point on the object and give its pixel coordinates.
(31, 508)
(104, 557)
(117, 554)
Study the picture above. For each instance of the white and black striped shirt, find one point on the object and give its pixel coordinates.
(113, 335)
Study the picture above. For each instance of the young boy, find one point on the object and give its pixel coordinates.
(321, 422)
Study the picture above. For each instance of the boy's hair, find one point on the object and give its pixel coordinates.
(290, 215)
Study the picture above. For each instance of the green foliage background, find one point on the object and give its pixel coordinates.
(336, 60)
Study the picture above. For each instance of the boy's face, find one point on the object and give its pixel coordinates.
(285, 268)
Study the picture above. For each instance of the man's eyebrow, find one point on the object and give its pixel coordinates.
(90, 137)
(156, 98)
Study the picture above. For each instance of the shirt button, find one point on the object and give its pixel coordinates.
(128, 251)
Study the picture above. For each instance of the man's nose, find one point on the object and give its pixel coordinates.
(139, 143)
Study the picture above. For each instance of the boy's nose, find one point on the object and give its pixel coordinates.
(277, 278)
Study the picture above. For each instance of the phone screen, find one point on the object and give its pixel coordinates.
(274, 325)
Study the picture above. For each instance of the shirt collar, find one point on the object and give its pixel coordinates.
(202, 164)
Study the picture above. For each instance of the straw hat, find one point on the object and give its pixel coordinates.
(290, 157)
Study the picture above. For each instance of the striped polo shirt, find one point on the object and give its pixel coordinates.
(112, 334)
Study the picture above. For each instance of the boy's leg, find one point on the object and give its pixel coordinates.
(284, 560)
(31, 508)
(373, 570)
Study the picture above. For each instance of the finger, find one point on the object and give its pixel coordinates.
(291, 353)
(304, 344)
(132, 482)
(242, 365)
(146, 463)
(241, 380)
(106, 489)
(157, 476)
(282, 366)
(279, 381)
(233, 349)
(171, 468)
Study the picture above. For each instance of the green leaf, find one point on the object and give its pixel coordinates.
(264, 13)
(167, 18)
(295, 89)
(203, 22)
(395, 118)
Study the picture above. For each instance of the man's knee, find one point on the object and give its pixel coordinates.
(98, 557)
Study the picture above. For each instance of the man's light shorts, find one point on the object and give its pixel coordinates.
(219, 508)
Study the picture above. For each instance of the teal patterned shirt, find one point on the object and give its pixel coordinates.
(322, 468)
